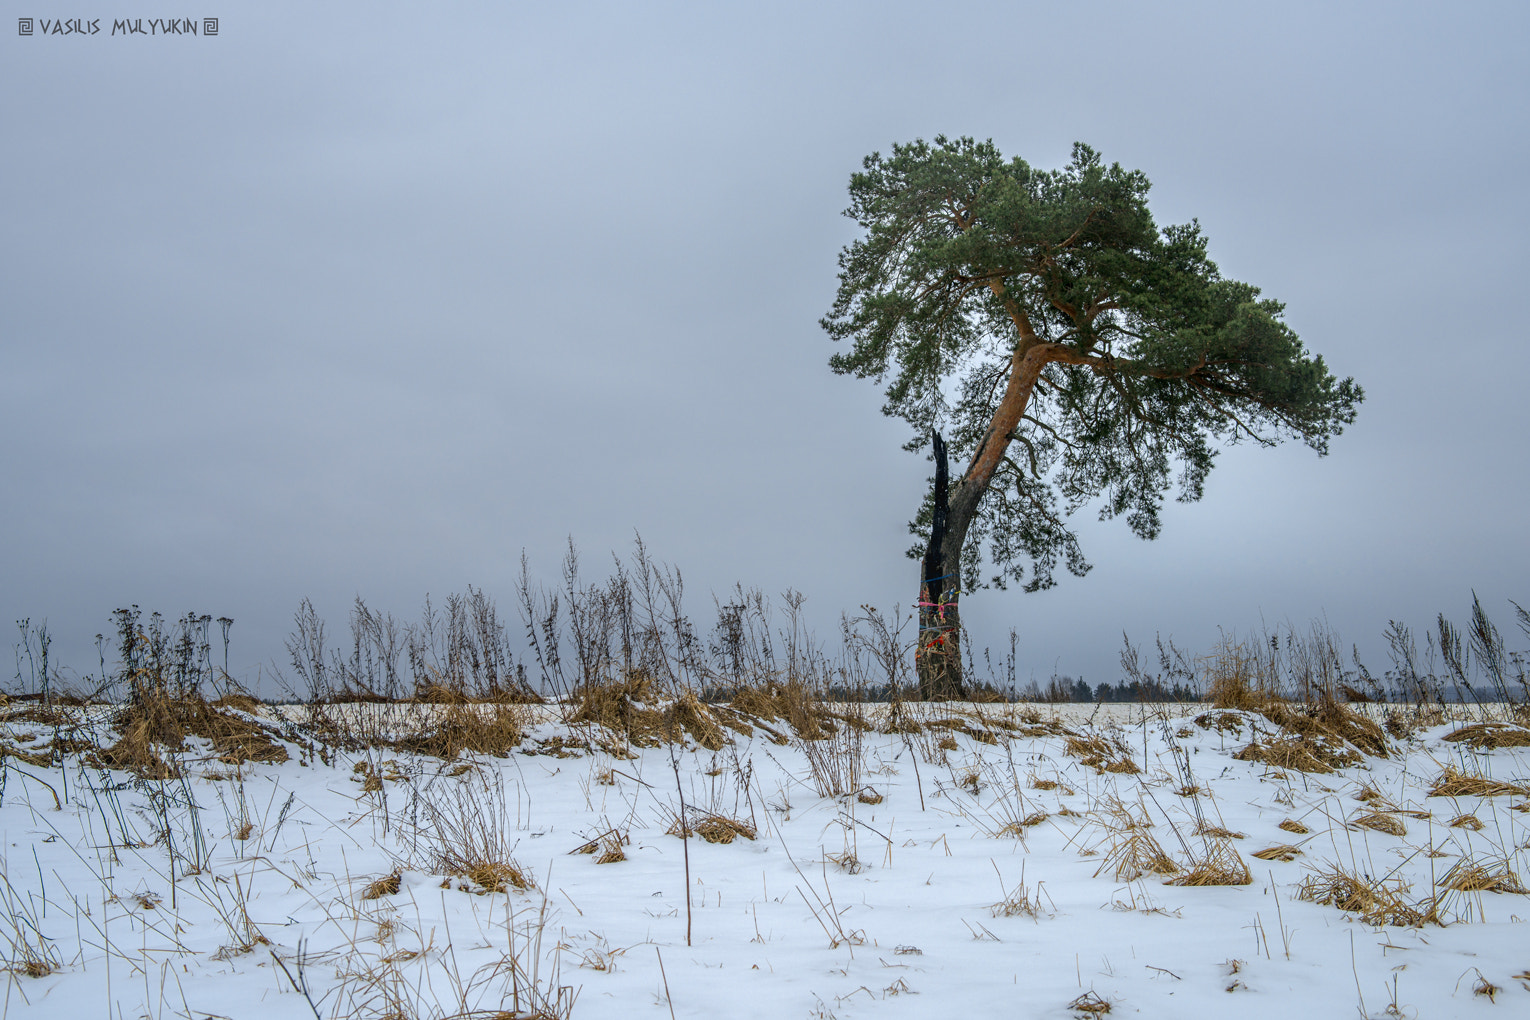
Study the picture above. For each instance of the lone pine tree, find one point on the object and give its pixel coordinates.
(1070, 350)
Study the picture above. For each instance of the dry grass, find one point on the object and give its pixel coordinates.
(608, 845)
(1137, 855)
(1232, 679)
(721, 829)
(1279, 852)
(1301, 754)
(622, 707)
(1471, 822)
(1018, 902)
(1292, 825)
(492, 876)
(1217, 864)
(634, 709)
(1332, 721)
(1469, 876)
(465, 728)
(792, 701)
(1491, 735)
(35, 966)
(1216, 831)
(835, 760)
(438, 691)
(1454, 783)
(388, 885)
(1221, 722)
(1015, 828)
(470, 837)
(713, 828)
(154, 722)
(1101, 755)
(1319, 737)
(1090, 1004)
(687, 714)
(36, 758)
(1376, 902)
(1379, 821)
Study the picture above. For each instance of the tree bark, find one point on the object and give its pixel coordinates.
(938, 662)
(938, 655)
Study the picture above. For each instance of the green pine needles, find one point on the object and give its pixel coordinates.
(1070, 348)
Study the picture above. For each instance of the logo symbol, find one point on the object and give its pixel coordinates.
(23, 26)
(209, 26)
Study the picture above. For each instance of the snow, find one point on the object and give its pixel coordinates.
(839, 908)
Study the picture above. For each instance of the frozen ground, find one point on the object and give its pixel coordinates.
(876, 884)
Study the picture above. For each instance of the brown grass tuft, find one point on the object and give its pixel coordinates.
(1319, 737)
(611, 844)
(1221, 722)
(713, 829)
(1018, 902)
(1376, 902)
(687, 713)
(1454, 783)
(1471, 822)
(1090, 1004)
(473, 838)
(1469, 876)
(1136, 855)
(1491, 735)
(1369, 794)
(1216, 831)
(1016, 829)
(1090, 750)
(1380, 821)
(466, 728)
(388, 885)
(621, 706)
(1329, 720)
(1292, 825)
(36, 758)
(154, 721)
(1279, 852)
(1232, 680)
(791, 701)
(1219, 864)
(1314, 756)
(495, 876)
(1101, 755)
(239, 701)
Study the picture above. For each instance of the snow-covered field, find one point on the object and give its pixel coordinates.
(887, 876)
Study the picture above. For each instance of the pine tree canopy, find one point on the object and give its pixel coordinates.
(1072, 349)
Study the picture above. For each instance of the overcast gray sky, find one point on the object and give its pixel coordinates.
(361, 298)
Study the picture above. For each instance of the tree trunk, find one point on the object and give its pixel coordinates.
(937, 658)
(938, 661)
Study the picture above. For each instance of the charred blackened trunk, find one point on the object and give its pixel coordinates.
(938, 655)
(956, 506)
